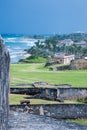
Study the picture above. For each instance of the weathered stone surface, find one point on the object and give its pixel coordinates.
(60, 111)
(53, 93)
(24, 121)
(41, 84)
(4, 85)
(78, 64)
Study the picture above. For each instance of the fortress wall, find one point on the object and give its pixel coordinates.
(4, 85)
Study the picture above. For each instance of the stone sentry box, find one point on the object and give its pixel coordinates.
(4, 85)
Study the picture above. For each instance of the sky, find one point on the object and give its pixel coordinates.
(43, 16)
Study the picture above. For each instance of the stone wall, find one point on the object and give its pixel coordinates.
(78, 64)
(59, 94)
(61, 111)
(72, 93)
(4, 85)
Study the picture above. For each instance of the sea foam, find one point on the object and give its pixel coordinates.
(17, 45)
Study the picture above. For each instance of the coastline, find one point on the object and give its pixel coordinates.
(26, 55)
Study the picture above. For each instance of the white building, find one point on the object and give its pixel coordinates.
(67, 42)
(64, 59)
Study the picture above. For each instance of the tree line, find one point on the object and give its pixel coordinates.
(51, 46)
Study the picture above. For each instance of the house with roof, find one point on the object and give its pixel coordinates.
(66, 42)
(64, 58)
(82, 43)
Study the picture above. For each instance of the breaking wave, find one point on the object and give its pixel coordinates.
(17, 45)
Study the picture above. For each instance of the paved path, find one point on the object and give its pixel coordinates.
(25, 121)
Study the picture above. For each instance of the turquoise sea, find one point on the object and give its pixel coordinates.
(16, 45)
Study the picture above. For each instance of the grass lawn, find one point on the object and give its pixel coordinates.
(29, 73)
(34, 59)
(80, 121)
(16, 98)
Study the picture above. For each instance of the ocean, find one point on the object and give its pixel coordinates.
(16, 45)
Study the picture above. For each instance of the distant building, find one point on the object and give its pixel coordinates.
(82, 43)
(63, 58)
(67, 42)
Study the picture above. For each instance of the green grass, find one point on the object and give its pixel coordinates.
(80, 121)
(16, 98)
(34, 59)
(29, 73)
(55, 65)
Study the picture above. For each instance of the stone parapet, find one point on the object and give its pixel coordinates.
(60, 111)
(4, 85)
